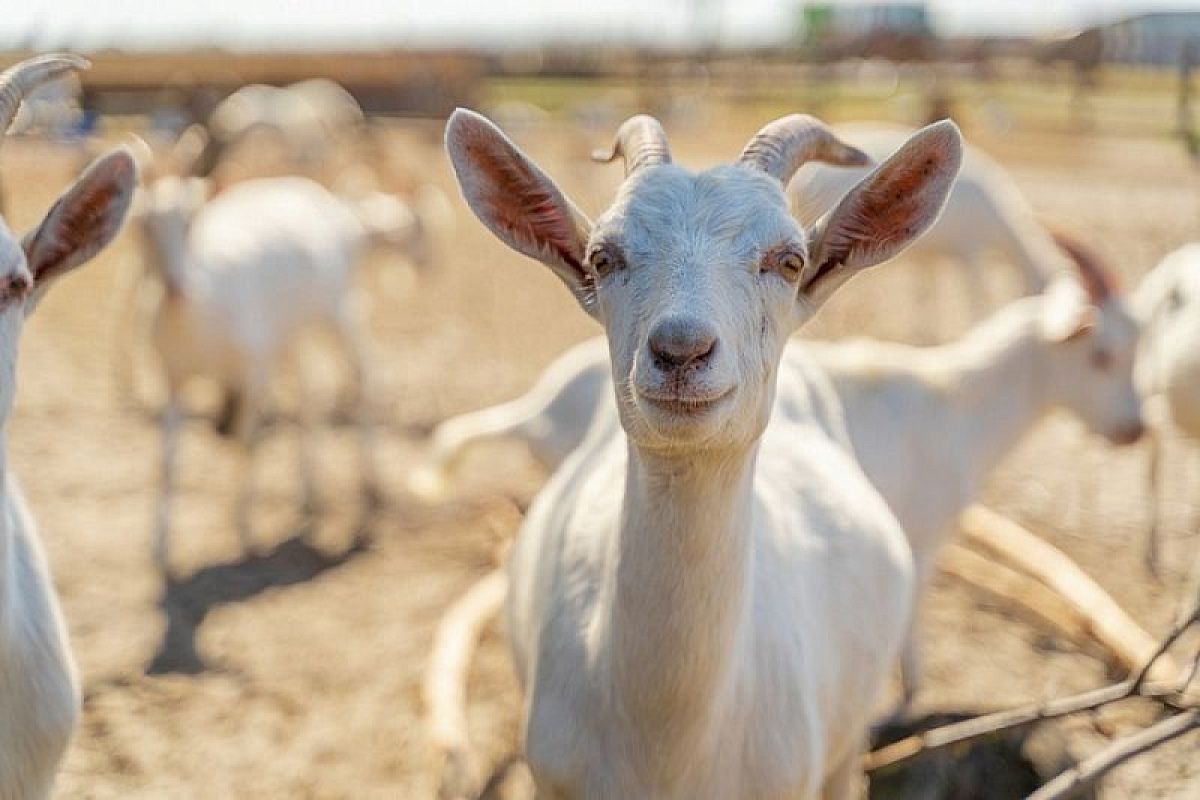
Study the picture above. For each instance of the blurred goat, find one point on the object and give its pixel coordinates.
(244, 275)
(39, 692)
(985, 213)
(963, 405)
(391, 226)
(308, 118)
(1167, 302)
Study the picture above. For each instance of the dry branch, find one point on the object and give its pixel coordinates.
(1137, 685)
(1107, 622)
(445, 684)
(1039, 600)
(922, 745)
(1084, 776)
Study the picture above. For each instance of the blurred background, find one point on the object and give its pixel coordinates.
(293, 671)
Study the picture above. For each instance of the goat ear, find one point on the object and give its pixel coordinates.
(84, 220)
(1067, 313)
(886, 211)
(518, 202)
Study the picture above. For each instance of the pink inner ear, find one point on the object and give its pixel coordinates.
(77, 227)
(522, 204)
(894, 205)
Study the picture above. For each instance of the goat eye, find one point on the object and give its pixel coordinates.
(605, 260)
(786, 262)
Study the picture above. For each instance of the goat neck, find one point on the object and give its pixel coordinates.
(679, 585)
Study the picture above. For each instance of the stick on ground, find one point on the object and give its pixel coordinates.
(1131, 645)
(1084, 776)
(445, 684)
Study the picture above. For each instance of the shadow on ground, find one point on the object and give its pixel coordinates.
(187, 601)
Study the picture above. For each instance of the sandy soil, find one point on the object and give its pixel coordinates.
(294, 672)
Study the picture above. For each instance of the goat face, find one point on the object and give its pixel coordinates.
(15, 283)
(1098, 342)
(698, 279)
(694, 278)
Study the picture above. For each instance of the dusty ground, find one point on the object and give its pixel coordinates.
(295, 672)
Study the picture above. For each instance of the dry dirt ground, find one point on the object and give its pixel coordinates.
(294, 672)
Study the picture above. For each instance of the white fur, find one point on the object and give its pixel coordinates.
(703, 604)
(965, 405)
(1167, 302)
(985, 213)
(39, 692)
(961, 406)
(308, 117)
(391, 225)
(245, 275)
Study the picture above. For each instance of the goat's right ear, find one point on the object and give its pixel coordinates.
(84, 220)
(518, 202)
(887, 211)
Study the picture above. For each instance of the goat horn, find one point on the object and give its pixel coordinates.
(782, 146)
(1097, 280)
(20, 79)
(641, 142)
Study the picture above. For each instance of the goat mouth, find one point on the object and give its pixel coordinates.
(683, 404)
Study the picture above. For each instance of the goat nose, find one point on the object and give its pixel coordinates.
(677, 342)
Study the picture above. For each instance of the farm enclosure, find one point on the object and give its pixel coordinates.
(295, 672)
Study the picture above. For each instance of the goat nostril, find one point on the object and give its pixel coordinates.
(673, 345)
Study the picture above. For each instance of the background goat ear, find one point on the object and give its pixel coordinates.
(84, 220)
(518, 202)
(1067, 313)
(887, 211)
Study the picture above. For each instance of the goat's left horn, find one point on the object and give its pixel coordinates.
(1097, 280)
(782, 146)
(20, 79)
(641, 142)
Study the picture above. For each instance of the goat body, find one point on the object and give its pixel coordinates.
(963, 406)
(708, 594)
(39, 693)
(985, 213)
(246, 274)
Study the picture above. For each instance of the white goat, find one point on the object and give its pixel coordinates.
(393, 225)
(985, 213)
(308, 118)
(245, 274)
(963, 405)
(708, 595)
(1167, 303)
(39, 693)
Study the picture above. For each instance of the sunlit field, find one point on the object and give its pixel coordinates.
(295, 671)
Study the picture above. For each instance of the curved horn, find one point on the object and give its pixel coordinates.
(782, 146)
(1097, 280)
(641, 141)
(20, 79)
